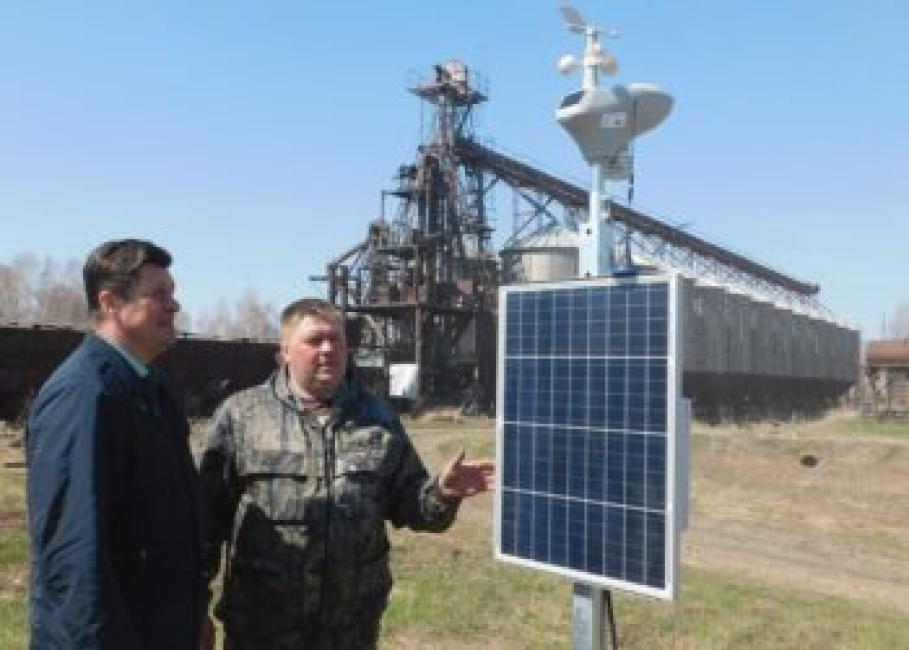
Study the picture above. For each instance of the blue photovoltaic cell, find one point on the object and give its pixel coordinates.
(584, 429)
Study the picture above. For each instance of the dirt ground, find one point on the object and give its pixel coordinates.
(840, 527)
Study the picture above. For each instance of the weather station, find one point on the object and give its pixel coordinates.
(591, 427)
(603, 121)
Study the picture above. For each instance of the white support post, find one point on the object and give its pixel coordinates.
(594, 258)
(597, 237)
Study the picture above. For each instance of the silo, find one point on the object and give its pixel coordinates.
(790, 337)
(799, 346)
(551, 254)
(715, 331)
(833, 351)
(694, 346)
(737, 343)
(762, 326)
(842, 345)
(813, 369)
(781, 342)
(836, 352)
(826, 347)
(851, 360)
(748, 318)
(705, 350)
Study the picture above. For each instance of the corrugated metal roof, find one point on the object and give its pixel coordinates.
(890, 352)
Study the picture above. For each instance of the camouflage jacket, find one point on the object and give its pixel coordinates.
(301, 502)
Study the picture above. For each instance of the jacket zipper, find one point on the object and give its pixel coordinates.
(328, 454)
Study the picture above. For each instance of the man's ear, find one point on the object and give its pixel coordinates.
(108, 302)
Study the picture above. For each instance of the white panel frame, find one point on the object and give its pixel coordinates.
(676, 439)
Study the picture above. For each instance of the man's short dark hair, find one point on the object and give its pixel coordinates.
(115, 266)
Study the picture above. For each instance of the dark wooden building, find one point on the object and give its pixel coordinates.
(202, 370)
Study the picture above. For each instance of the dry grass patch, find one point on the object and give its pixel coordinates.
(778, 544)
(13, 549)
(778, 555)
(840, 527)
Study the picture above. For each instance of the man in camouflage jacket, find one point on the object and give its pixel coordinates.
(299, 476)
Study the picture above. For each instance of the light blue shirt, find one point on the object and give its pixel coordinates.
(137, 365)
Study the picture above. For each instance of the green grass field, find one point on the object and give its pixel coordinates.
(13, 554)
(474, 602)
(883, 428)
(450, 593)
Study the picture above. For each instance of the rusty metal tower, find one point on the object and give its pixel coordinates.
(422, 284)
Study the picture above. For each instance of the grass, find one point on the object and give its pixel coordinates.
(458, 597)
(450, 593)
(716, 611)
(13, 554)
(897, 428)
(13, 624)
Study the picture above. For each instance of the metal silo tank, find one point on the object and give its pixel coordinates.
(551, 254)
(784, 339)
(694, 331)
(711, 339)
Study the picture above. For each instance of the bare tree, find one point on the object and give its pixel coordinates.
(59, 298)
(28, 265)
(14, 295)
(251, 317)
(17, 288)
(218, 322)
(254, 318)
(42, 292)
(184, 321)
(61, 304)
(899, 322)
(46, 291)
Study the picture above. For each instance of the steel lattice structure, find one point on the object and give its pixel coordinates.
(423, 283)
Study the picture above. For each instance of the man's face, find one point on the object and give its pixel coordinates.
(145, 319)
(315, 352)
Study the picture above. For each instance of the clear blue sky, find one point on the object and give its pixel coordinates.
(252, 138)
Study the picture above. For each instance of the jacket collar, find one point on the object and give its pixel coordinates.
(345, 397)
(111, 358)
(142, 369)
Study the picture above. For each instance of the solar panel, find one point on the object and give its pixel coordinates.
(587, 396)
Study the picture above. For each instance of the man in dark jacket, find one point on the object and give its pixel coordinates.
(112, 495)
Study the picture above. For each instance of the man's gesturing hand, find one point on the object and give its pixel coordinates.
(460, 479)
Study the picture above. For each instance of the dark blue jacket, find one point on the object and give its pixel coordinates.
(113, 510)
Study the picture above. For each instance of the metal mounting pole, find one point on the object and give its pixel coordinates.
(594, 258)
(597, 238)
(592, 613)
(587, 618)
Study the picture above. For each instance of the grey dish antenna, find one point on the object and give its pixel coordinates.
(603, 121)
